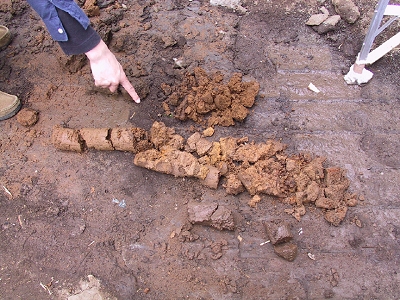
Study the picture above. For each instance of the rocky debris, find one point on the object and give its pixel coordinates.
(184, 233)
(104, 3)
(199, 213)
(212, 178)
(233, 4)
(334, 280)
(264, 177)
(212, 214)
(164, 138)
(335, 198)
(124, 139)
(278, 231)
(328, 25)
(27, 117)
(168, 41)
(173, 162)
(88, 289)
(170, 159)
(336, 216)
(317, 19)
(297, 211)
(198, 144)
(287, 251)
(206, 99)
(347, 10)
(130, 139)
(322, 23)
(72, 63)
(259, 168)
(324, 187)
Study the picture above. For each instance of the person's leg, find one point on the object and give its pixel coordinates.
(9, 104)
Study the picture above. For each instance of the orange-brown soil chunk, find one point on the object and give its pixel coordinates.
(207, 99)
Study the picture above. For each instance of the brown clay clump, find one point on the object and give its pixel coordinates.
(287, 251)
(212, 214)
(281, 237)
(168, 157)
(124, 139)
(130, 139)
(27, 117)
(208, 100)
(91, 9)
(278, 231)
(326, 188)
(97, 138)
(67, 139)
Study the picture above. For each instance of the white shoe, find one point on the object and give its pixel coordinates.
(357, 78)
(5, 36)
(9, 105)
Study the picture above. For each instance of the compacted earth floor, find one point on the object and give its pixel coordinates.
(100, 221)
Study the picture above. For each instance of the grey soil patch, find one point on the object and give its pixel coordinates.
(383, 148)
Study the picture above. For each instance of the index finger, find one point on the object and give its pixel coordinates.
(130, 89)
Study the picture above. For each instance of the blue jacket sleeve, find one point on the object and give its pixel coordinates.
(67, 24)
(47, 11)
(80, 40)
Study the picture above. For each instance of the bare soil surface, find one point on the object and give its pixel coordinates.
(94, 223)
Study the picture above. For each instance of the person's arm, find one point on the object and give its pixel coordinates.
(70, 27)
(107, 71)
(80, 39)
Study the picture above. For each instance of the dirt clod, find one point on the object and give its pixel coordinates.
(27, 117)
(347, 10)
(254, 200)
(233, 185)
(96, 138)
(278, 232)
(336, 216)
(130, 139)
(287, 251)
(123, 139)
(67, 139)
(213, 215)
(206, 99)
(91, 9)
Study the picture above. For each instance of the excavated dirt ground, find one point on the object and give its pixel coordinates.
(100, 221)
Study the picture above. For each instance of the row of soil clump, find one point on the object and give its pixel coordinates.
(236, 164)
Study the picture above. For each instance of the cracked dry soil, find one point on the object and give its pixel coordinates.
(61, 212)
